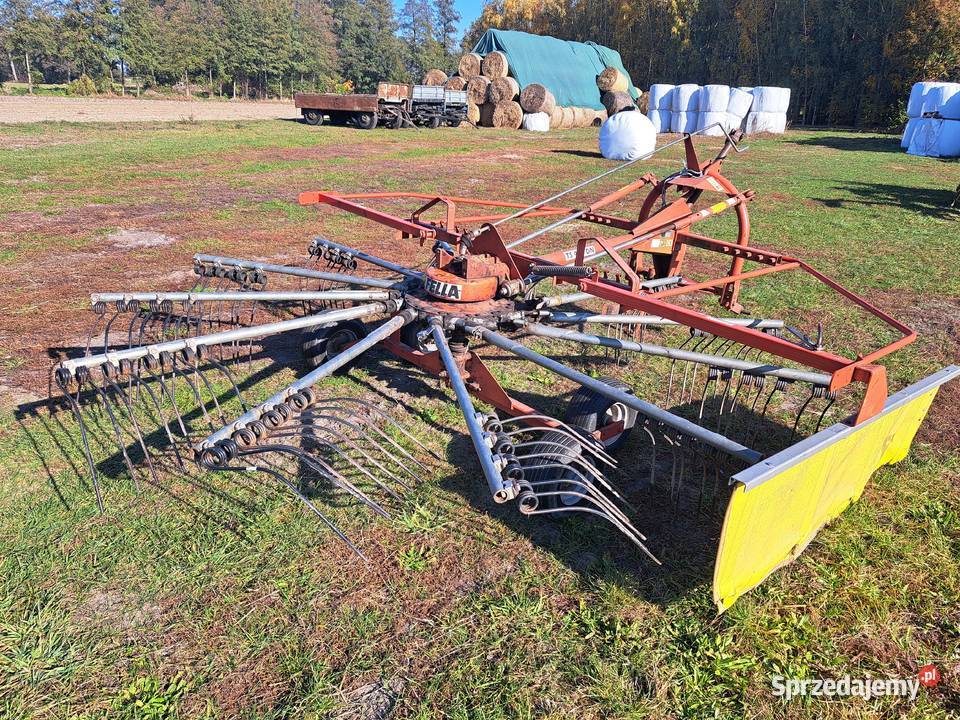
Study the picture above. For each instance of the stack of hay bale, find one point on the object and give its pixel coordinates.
(715, 108)
(933, 120)
(495, 99)
(614, 91)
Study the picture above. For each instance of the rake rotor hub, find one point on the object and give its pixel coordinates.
(732, 396)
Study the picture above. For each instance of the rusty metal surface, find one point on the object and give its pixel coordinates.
(331, 101)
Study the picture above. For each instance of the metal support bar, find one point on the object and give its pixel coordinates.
(320, 243)
(252, 296)
(655, 321)
(745, 366)
(228, 336)
(649, 410)
(490, 471)
(297, 271)
(311, 378)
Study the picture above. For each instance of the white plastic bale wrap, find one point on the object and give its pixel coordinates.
(948, 144)
(536, 122)
(784, 103)
(715, 121)
(766, 122)
(934, 98)
(627, 136)
(685, 98)
(739, 105)
(950, 110)
(925, 137)
(660, 120)
(734, 122)
(768, 99)
(917, 94)
(713, 98)
(661, 96)
(683, 122)
(908, 132)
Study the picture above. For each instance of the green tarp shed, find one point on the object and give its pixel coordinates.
(567, 69)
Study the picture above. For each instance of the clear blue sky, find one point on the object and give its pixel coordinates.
(469, 11)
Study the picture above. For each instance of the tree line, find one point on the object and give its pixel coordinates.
(245, 48)
(848, 62)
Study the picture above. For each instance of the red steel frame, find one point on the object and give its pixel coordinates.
(663, 232)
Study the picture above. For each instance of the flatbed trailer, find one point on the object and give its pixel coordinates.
(394, 105)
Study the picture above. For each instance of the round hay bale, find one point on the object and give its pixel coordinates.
(502, 89)
(536, 98)
(469, 65)
(473, 113)
(495, 65)
(580, 117)
(435, 77)
(616, 101)
(643, 100)
(456, 83)
(556, 117)
(477, 89)
(486, 114)
(602, 114)
(507, 114)
(566, 118)
(612, 80)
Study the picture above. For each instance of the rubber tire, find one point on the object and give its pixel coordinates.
(313, 117)
(455, 122)
(548, 443)
(365, 121)
(587, 408)
(314, 342)
(433, 123)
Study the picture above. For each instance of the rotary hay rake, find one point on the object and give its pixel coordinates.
(751, 412)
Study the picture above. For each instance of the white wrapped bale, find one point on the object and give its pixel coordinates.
(660, 120)
(739, 104)
(713, 98)
(908, 132)
(933, 99)
(925, 137)
(766, 122)
(627, 136)
(948, 144)
(734, 122)
(767, 100)
(661, 96)
(917, 93)
(536, 122)
(783, 103)
(950, 110)
(683, 122)
(685, 98)
(712, 123)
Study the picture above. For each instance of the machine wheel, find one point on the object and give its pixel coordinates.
(327, 341)
(564, 450)
(455, 122)
(366, 121)
(313, 117)
(433, 123)
(591, 411)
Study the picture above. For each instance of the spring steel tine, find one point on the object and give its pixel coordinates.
(548, 454)
(177, 372)
(195, 368)
(583, 481)
(312, 432)
(118, 436)
(305, 500)
(373, 408)
(831, 399)
(344, 438)
(229, 375)
(163, 419)
(653, 458)
(359, 427)
(117, 390)
(78, 416)
(168, 393)
(796, 423)
(320, 468)
(369, 422)
(564, 429)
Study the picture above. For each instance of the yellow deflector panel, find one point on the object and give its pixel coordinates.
(779, 504)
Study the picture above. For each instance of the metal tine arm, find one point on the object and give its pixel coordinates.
(294, 271)
(631, 401)
(597, 453)
(581, 462)
(581, 478)
(323, 405)
(322, 247)
(191, 298)
(594, 445)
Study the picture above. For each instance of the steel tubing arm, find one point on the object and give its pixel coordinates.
(655, 321)
(555, 300)
(296, 271)
(322, 242)
(311, 378)
(487, 464)
(649, 410)
(227, 336)
(252, 295)
(720, 361)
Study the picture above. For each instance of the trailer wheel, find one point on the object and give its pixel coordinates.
(366, 121)
(313, 117)
(327, 341)
(455, 122)
(590, 411)
(433, 123)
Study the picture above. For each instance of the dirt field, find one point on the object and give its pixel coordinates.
(23, 109)
(207, 596)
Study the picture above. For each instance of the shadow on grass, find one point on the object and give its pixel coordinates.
(853, 142)
(580, 153)
(932, 202)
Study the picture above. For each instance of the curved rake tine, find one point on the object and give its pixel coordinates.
(305, 500)
(177, 372)
(118, 436)
(583, 481)
(831, 399)
(163, 419)
(380, 431)
(594, 445)
(386, 416)
(94, 478)
(230, 378)
(195, 368)
(136, 426)
(319, 467)
(106, 330)
(173, 401)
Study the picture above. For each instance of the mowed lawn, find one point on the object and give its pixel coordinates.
(228, 599)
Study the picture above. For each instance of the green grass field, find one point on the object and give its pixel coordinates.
(231, 601)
